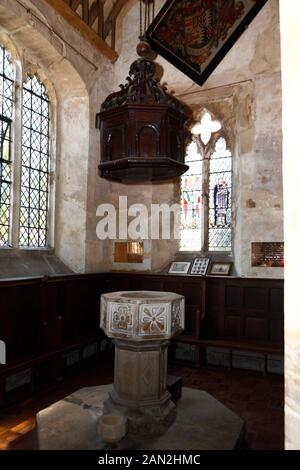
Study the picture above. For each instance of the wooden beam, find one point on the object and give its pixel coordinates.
(76, 22)
(85, 11)
(75, 4)
(113, 14)
(101, 18)
(94, 12)
(113, 34)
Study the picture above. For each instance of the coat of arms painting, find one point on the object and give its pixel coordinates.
(194, 35)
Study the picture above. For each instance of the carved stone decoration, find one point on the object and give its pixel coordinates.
(103, 307)
(135, 315)
(120, 318)
(142, 129)
(177, 315)
(153, 319)
(142, 322)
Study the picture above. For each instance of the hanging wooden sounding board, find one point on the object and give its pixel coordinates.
(142, 127)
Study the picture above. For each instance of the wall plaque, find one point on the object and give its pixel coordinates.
(129, 252)
(270, 254)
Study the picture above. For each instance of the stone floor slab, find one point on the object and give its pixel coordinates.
(202, 423)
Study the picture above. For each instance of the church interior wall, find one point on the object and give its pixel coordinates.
(245, 94)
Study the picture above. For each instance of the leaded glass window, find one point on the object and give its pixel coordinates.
(6, 114)
(206, 190)
(191, 197)
(34, 164)
(220, 184)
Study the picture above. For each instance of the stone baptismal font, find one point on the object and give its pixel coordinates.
(137, 411)
(141, 324)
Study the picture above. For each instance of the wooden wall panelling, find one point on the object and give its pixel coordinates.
(153, 283)
(54, 299)
(194, 292)
(253, 309)
(276, 301)
(80, 309)
(221, 313)
(43, 318)
(115, 283)
(210, 325)
(40, 317)
(276, 308)
(20, 317)
(233, 306)
(256, 310)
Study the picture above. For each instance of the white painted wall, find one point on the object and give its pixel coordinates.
(290, 47)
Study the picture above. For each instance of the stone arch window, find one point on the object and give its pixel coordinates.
(25, 157)
(206, 189)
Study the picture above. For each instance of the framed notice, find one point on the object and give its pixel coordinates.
(267, 254)
(179, 267)
(220, 269)
(200, 266)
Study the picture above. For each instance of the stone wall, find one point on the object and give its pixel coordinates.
(48, 46)
(244, 92)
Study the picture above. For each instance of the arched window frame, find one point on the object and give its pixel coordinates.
(24, 69)
(205, 152)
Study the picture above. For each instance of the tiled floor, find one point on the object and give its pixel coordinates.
(256, 398)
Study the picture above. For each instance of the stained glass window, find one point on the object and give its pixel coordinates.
(6, 113)
(191, 197)
(35, 164)
(206, 127)
(220, 184)
(206, 226)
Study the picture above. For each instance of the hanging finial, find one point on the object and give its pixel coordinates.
(146, 17)
(143, 49)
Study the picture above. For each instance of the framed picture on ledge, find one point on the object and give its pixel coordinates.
(179, 267)
(200, 266)
(221, 268)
